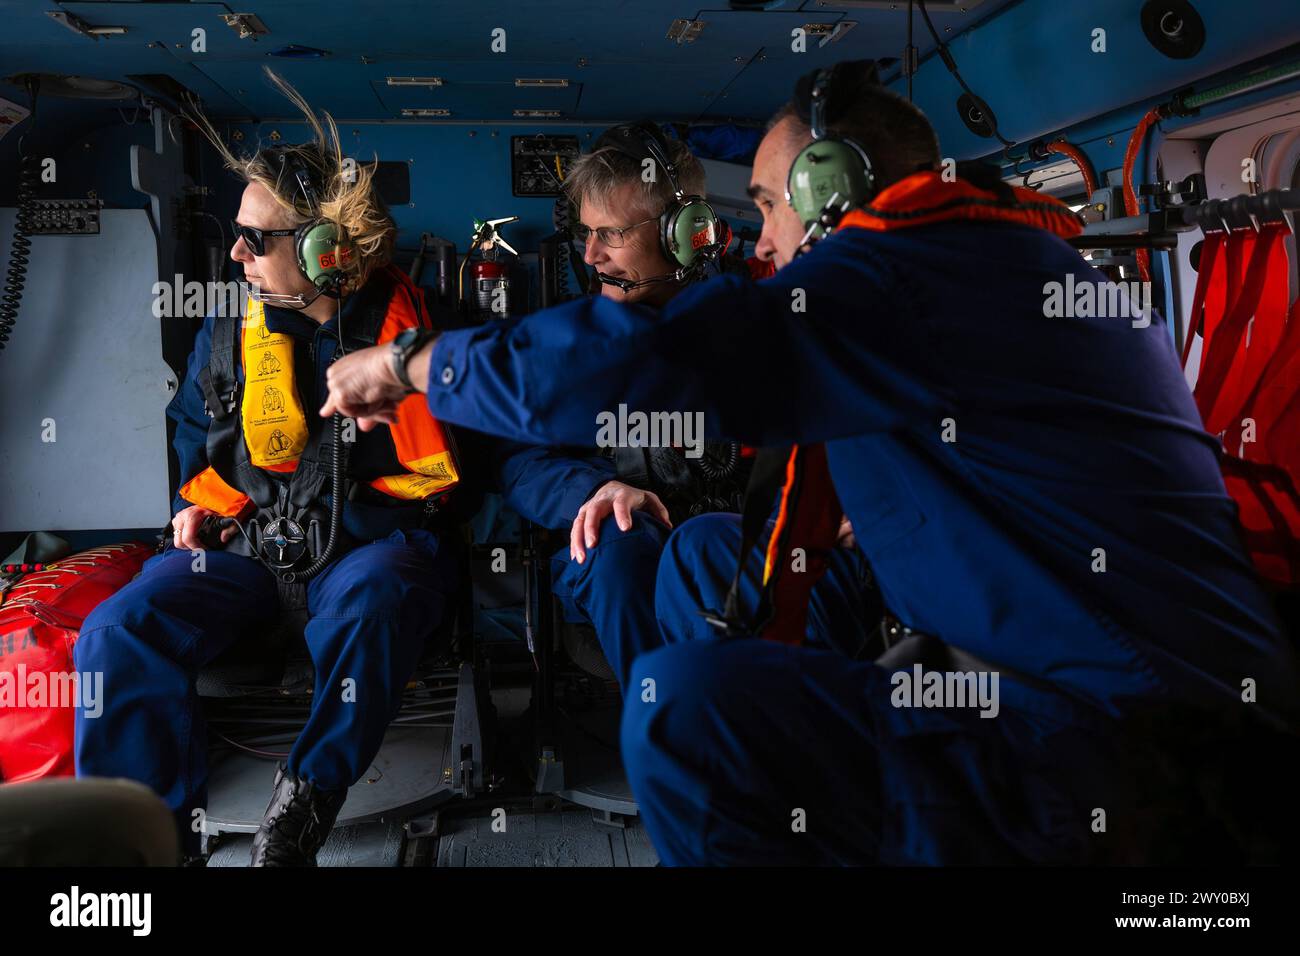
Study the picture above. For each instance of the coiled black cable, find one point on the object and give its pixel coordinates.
(569, 257)
(336, 509)
(338, 466)
(560, 219)
(19, 251)
(16, 276)
(718, 460)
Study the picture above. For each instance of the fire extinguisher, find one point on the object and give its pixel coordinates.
(490, 297)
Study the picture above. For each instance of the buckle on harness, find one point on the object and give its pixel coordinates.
(729, 626)
(224, 402)
(284, 542)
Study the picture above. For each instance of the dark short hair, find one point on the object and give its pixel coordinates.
(894, 132)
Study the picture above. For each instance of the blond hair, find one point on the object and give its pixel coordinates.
(345, 190)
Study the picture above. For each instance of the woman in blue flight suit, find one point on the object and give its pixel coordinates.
(1036, 493)
(373, 605)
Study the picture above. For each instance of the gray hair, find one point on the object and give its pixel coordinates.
(599, 173)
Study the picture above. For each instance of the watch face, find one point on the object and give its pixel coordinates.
(406, 337)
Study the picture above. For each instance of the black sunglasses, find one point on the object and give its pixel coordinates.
(256, 238)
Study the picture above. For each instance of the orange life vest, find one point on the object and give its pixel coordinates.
(421, 444)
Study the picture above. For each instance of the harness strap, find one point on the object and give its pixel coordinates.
(1211, 284)
(1222, 385)
(808, 519)
(217, 378)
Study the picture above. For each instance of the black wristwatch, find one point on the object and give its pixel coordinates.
(407, 343)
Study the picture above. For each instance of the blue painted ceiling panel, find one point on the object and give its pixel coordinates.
(1030, 59)
(615, 53)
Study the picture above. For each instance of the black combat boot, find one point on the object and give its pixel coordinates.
(298, 819)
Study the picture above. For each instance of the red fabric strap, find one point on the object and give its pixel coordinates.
(809, 519)
(1209, 276)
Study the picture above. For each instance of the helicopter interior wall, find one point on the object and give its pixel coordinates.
(78, 406)
(738, 70)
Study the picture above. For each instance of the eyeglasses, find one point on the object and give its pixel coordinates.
(611, 236)
(256, 237)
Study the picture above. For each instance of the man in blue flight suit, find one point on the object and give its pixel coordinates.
(370, 602)
(1036, 497)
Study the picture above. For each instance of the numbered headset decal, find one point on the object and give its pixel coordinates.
(689, 226)
(830, 171)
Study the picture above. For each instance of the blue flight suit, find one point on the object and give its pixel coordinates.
(844, 610)
(371, 612)
(1037, 492)
(613, 588)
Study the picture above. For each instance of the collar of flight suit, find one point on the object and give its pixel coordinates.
(925, 198)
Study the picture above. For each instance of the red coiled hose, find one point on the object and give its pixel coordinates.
(1130, 196)
(1066, 148)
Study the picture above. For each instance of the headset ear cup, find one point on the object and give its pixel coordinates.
(823, 168)
(686, 228)
(323, 252)
(667, 223)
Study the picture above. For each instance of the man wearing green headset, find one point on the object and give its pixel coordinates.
(1042, 510)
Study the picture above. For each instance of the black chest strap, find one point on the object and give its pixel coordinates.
(217, 379)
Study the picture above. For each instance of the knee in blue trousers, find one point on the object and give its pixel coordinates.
(749, 752)
(697, 570)
(744, 751)
(371, 613)
(613, 589)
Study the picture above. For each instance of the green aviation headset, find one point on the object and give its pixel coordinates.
(689, 229)
(321, 246)
(832, 174)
